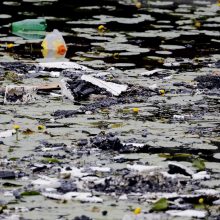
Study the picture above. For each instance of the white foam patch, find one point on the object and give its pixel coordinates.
(123, 197)
(142, 168)
(46, 182)
(133, 144)
(174, 176)
(101, 169)
(208, 191)
(201, 175)
(77, 196)
(74, 172)
(187, 213)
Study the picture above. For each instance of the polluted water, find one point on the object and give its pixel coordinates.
(109, 109)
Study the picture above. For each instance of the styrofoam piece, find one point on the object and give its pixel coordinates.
(151, 72)
(65, 91)
(113, 88)
(55, 74)
(201, 175)
(63, 65)
(8, 133)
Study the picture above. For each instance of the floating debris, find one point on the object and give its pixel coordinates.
(152, 72)
(19, 94)
(188, 213)
(63, 65)
(8, 133)
(115, 89)
(141, 129)
(78, 196)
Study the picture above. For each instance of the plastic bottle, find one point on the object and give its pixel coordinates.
(38, 24)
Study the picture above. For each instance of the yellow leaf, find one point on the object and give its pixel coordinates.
(197, 24)
(135, 110)
(16, 127)
(138, 4)
(10, 45)
(162, 92)
(101, 28)
(201, 201)
(44, 44)
(137, 211)
(40, 127)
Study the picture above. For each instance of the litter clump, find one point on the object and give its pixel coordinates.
(133, 94)
(4, 174)
(78, 89)
(82, 87)
(208, 82)
(113, 88)
(107, 142)
(19, 94)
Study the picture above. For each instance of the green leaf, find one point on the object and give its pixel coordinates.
(199, 164)
(10, 150)
(51, 160)
(13, 158)
(199, 206)
(160, 205)
(30, 193)
(174, 156)
(117, 125)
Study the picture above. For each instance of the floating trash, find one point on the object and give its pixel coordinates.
(188, 213)
(30, 28)
(19, 94)
(54, 42)
(8, 133)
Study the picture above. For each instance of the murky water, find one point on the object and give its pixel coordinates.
(173, 115)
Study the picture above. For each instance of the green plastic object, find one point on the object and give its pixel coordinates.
(38, 24)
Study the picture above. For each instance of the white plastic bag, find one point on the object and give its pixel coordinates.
(54, 45)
